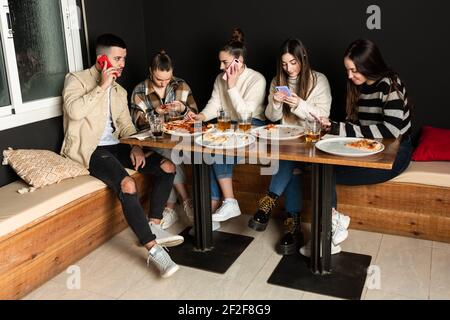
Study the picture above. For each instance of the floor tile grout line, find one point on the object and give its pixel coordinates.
(256, 275)
(431, 273)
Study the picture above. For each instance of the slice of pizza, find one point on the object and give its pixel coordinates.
(211, 138)
(364, 145)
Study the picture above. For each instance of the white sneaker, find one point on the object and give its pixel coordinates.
(162, 261)
(340, 218)
(229, 209)
(306, 249)
(169, 218)
(165, 238)
(189, 209)
(215, 226)
(338, 235)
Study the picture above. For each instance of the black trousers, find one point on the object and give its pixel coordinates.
(108, 164)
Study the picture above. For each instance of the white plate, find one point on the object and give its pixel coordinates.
(186, 134)
(234, 140)
(337, 147)
(279, 132)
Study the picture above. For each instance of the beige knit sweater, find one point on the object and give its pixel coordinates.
(318, 102)
(247, 95)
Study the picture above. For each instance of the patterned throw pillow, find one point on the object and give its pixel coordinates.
(40, 168)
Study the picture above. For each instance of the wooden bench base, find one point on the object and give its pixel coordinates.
(39, 251)
(414, 210)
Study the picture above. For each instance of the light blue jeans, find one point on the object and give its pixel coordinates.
(225, 170)
(287, 181)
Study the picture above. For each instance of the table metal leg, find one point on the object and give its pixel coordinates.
(202, 207)
(207, 250)
(342, 275)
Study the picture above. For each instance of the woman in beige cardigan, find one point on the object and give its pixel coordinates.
(310, 95)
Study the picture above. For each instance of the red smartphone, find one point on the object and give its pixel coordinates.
(101, 63)
(102, 60)
(234, 62)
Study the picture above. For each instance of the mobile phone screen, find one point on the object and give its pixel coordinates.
(284, 89)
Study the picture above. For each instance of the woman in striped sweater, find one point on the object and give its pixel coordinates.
(377, 107)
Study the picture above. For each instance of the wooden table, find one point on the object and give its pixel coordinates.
(342, 275)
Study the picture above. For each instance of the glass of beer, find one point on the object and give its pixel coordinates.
(245, 121)
(223, 120)
(156, 122)
(312, 130)
(174, 115)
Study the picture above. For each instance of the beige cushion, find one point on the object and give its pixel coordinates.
(17, 210)
(435, 173)
(40, 168)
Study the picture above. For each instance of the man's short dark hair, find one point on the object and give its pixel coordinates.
(108, 40)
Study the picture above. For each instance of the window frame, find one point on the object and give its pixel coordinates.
(19, 113)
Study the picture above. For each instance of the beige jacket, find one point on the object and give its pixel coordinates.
(85, 111)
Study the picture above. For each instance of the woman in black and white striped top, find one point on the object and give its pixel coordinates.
(377, 107)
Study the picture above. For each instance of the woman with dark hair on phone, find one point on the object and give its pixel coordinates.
(310, 94)
(377, 107)
(237, 89)
(160, 93)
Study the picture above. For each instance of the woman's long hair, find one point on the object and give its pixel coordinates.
(306, 80)
(370, 63)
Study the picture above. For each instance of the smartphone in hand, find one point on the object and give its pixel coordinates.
(101, 63)
(234, 62)
(284, 89)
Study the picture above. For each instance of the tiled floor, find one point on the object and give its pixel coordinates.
(410, 269)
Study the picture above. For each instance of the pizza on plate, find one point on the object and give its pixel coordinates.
(183, 126)
(273, 130)
(215, 139)
(364, 145)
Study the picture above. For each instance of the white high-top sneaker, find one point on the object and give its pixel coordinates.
(189, 209)
(164, 237)
(170, 216)
(162, 261)
(340, 218)
(339, 225)
(229, 209)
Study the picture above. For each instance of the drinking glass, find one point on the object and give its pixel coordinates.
(245, 121)
(312, 130)
(223, 120)
(156, 122)
(174, 115)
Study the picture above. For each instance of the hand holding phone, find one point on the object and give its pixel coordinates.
(102, 60)
(233, 63)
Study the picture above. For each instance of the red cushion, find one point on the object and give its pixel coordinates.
(434, 145)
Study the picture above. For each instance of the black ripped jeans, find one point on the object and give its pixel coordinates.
(108, 164)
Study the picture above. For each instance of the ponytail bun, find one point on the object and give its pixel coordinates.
(237, 35)
(236, 45)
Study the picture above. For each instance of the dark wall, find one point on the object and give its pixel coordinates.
(125, 19)
(413, 39)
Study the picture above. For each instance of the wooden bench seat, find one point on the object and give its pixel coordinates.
(415, 204)
(39, 242)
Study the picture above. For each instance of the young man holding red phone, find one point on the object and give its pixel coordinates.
(95, 117)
